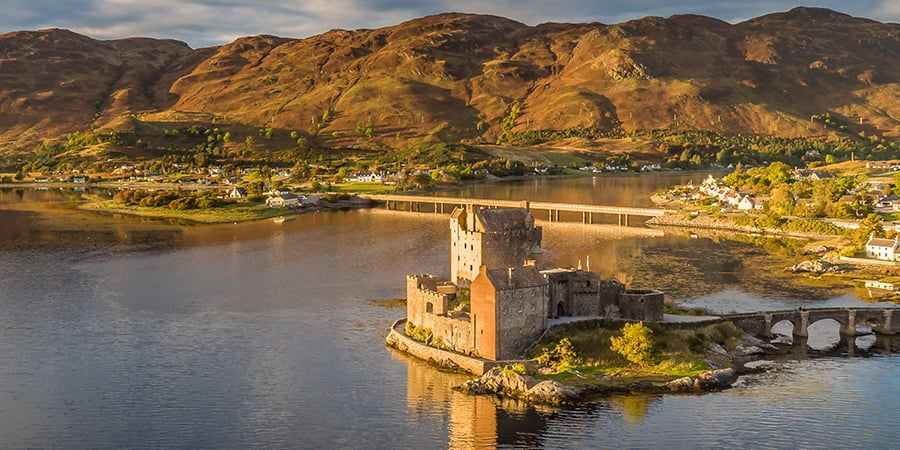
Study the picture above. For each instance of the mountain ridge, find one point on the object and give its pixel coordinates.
(457, 77)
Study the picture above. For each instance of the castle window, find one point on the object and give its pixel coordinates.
(429, 308)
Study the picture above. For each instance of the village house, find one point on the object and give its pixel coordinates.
(883, 249)
(891, 201)
(496, 254)
(812, 175)
(724, 194)
(878, 165)
(237, 193)
(367, 177)
(746, 203)
(282, 199)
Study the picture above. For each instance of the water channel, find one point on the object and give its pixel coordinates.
(126, 332)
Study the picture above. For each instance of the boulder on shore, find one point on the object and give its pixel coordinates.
(707, 381)
(816, 266)
(507, 383)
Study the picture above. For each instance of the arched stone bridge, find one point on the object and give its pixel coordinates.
(880, 320)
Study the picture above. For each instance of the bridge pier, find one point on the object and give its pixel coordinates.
(587, 217)
(850, 329)
(802, 329)
(767, 329)
(888, 328)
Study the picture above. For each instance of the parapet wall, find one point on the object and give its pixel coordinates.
(424, 299)
(396, 338)
(454, 332)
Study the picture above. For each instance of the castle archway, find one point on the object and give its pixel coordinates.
(560, 309)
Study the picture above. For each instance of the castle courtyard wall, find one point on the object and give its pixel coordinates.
(521, 319)
(441, 358)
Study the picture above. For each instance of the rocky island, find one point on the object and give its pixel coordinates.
(562, 335)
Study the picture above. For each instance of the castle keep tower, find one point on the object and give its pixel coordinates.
(508, 311)
(496, 238)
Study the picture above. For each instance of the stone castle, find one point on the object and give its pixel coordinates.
(499, 298)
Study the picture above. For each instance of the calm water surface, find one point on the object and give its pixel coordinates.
(134, 333)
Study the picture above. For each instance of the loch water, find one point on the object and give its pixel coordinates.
(120, 332)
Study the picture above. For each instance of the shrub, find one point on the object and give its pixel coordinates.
(634, 344)
(419, 333)
(561, 357)
(517, 368)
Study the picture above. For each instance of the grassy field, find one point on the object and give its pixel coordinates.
(677, 353)
(230, 213)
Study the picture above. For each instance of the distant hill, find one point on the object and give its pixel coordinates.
(454, 77)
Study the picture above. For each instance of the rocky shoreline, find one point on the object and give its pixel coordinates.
(506, 382)
(703, 221)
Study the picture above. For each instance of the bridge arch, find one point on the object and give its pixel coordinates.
(784, 327)
(824, 334)
(796, 322)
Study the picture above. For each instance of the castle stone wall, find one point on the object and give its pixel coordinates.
(521, 319)
(641, 304)
(423, 297)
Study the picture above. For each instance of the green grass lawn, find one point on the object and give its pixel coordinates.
(237, 212)
(677, 353)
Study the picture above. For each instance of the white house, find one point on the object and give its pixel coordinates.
(367, 177)
(287, 200)
(746, 203)
(237, 192)
(884, 249)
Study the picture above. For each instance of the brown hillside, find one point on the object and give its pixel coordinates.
(456, 76)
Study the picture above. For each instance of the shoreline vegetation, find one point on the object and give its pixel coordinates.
(835, 212)
(229, 213)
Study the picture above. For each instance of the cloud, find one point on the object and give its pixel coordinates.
(213, 22)
(887, 11)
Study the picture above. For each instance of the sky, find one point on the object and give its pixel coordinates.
(202, 23)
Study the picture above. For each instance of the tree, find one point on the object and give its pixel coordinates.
(782, 202)
(342, 174)
(634, 344)
(300, 171)
(870, 226)
(896, 186)
(266, 173)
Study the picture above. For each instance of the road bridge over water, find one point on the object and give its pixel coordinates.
(879, 320)
(446, 204)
